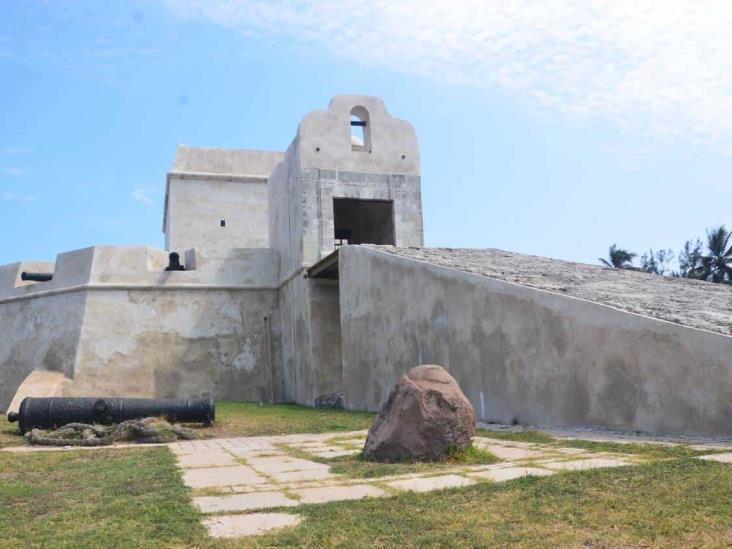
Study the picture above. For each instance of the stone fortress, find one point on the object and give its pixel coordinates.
(305, 273)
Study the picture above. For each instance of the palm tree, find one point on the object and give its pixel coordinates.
(716, 266)
(618, 258)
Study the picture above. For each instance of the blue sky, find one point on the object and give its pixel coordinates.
(551, 128)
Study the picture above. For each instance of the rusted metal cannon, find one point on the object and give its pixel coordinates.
(53, 412)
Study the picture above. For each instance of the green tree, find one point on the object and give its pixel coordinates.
(618, 258)
(657, 262)
(690, 259)
(716, 265)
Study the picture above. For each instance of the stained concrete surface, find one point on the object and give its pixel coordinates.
(688, 302)
(526, 355)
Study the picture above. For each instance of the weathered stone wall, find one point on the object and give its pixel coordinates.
(526, 354)
(115, 323)
(41, 333)
(170, 343)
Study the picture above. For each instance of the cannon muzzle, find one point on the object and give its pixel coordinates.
(53, 412)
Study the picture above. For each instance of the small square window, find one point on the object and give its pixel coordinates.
(223, 222)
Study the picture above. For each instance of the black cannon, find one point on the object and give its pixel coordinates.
(36, 277)
(53, 412)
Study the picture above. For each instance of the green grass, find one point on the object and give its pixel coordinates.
(357, 467)
(9, 434)
(135, 498)
(98, 498)
(237, 419)
(679, 503)
(527, 435)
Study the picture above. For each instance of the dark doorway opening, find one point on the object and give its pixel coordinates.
(363, 221)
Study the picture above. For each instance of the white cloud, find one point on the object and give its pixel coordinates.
(13, 170)
(13, 150)
(18, 197)
(658, 67)
(142, 195)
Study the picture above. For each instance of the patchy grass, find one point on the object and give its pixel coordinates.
(647, 450)
(357, 467)
(238, 419)
(642, 449)
(679, 503)
(95, 498)
(10, 434)
(135, 498)
(527, 435)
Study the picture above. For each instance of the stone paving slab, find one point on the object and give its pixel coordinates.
(206, 459)
(570, 451)
(431, 483)
(510, 473)
(339, 493)
(206, 477)
(310, 474)
(721, 458)
(513, 453)
(336, 453)
(259, 455)
(275, 467)
(229, 526)
(243, 502)
(480, 440)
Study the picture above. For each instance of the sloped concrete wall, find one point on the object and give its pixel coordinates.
(527, 355)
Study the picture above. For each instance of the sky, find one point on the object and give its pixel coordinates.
(553, 128)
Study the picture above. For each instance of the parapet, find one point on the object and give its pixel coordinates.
(139, 267)
(70, 269)
(234, 163)
(376, 142)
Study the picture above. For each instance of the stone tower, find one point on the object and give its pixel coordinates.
(350, 176)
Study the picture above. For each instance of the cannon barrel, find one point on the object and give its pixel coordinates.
(36, 277)
(53, 412)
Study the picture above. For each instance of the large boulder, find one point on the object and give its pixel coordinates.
(425, 418)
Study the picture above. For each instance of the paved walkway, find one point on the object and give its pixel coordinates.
(250, 485)
(246, 485)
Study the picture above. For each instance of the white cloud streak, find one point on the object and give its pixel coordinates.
(662, 68)
(13, 170)
(15, 150)
(142, 195)
(18, 197)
